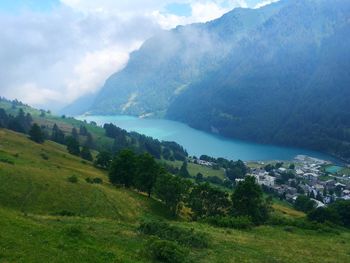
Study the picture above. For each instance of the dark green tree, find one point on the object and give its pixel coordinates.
(75, 134)
(342, 208)
(89, 140)
(35, 134)
(73, 146)
(103, 160)
(123, 168)
(57, 135)
(184, 171)
(205, 200)
(172, 190)
(304, 204)
(86, 154)
(82, 130)
(248, 200)
(4, 119)
(147, 173)
(199, 178)
(323, 214)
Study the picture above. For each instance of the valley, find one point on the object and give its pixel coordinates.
(274, 75)
(197, 131)
(199, 143)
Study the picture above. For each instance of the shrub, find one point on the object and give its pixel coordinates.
(72, 179)
(342, 208)
(181, 235)
(240, 222)
(94, 180)
(97, 180)
(304, 204)
(322, 215)
(5, 160)
(302, 223)
(65, 213)
(44, 156)
(289, 229)
(166, 251)
(73, 231)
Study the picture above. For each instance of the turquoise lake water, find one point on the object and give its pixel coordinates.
(198, 142)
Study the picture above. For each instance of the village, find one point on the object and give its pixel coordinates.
(318, 179)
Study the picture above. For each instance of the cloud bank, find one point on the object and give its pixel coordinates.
(50, 58)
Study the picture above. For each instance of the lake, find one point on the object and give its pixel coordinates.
(198, 142)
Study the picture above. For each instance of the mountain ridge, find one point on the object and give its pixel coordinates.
(265, 75)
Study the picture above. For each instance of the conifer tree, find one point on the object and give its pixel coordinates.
(36, 134)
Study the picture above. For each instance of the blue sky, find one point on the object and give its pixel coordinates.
(180, 9)
(36, 5)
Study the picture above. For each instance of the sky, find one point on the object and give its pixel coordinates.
(54, 51)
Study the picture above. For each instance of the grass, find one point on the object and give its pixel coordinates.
(104, 219)
(35, 185)
(194, 169)
(74, 239)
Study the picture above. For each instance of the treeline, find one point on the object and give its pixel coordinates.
(20, 123)
(23, 123)
(144, 174)
(80, 140)
(140, 143)
(234, 169)
(336, 213)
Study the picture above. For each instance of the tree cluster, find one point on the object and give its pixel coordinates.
(336, 213)
(21, 123)
(143, 173)
(141, 143)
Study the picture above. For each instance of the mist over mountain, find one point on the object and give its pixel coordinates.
(278, 74)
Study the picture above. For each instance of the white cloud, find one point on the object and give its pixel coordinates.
(264, 3)
(51, 58)
(95, 67)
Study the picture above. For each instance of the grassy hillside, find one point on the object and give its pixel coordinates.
(194, 169)
(34, 179)
(34, 191)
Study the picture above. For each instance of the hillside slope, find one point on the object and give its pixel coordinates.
(43, 215)
(34, 179)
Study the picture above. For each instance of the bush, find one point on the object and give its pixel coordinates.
(166, 251)
(301, 223)
(72, 179)
(5, 160)
(97, 180)
(181, 235)
(44, 156)
(240, 222)
(304, 204)
(94, 180)
(73, 231)
(322, 215)
(65, 213)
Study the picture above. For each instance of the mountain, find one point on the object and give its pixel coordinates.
(167, 64)
(79, 106)
(278, 74)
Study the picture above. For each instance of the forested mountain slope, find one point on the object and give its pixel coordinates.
(278, 74)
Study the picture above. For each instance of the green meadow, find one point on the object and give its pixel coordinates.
(44, 217)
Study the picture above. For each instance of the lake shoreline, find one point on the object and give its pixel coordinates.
(198, 142)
